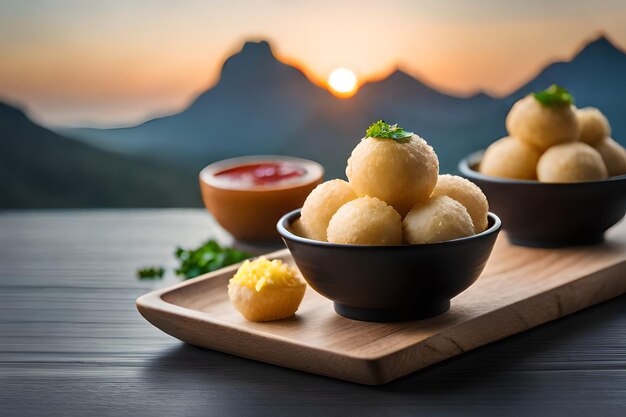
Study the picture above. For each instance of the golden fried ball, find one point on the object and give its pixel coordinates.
(366, 221)
(297, 229)
(571, 162)
(542, 126)
(593, 125)
(401, 173)
(437, 220)
(614, 156)
(321, 204)
(466, 193)
(509, 157)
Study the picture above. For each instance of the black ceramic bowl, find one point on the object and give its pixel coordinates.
(551, 215)
(390, 283)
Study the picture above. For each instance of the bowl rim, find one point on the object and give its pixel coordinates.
(206, 174)
(466, 169)
(285, 233)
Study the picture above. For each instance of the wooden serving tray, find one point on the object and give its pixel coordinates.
(519, 289)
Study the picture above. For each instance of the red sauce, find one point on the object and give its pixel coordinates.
(262, 174)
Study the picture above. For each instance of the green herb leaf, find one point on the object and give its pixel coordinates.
(151, 272)
(554, 96)
(383, 130)
(207, 258)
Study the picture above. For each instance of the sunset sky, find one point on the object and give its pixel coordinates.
(111, 63)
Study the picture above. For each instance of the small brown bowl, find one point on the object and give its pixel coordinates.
(250, 214)
(541, 214)
(390, 283)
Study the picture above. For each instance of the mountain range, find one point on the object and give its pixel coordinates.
(263, 106)
(41, 169)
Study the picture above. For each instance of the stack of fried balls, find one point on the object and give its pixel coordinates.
(552, 141)
(394, 195)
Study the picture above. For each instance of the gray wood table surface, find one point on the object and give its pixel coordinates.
(72, 343)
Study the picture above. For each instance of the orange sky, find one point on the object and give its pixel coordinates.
(119, 62)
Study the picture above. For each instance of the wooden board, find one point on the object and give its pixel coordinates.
(519, 289)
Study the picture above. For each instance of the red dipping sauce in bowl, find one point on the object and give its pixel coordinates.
(260, 174)
(248, 195)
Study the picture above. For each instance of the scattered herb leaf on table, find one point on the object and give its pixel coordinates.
(207, 258)
(151, 272)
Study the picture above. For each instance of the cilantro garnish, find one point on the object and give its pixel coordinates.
(383, 130)
(151, 272)
(554, 96)
(193, 262)
(207, 258)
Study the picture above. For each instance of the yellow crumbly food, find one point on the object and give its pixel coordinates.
(264, 290)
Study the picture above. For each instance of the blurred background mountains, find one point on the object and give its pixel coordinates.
(263, 106)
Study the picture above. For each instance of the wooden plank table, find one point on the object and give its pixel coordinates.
(72, 343)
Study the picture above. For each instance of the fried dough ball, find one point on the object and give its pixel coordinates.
(466, 193)
(321, 204)
(540, 125)
(614, 156)
(509, 157)
(297, 229)
(593, 125)
(571, 162)
(437, 220)
(399, 172)
(366, 221)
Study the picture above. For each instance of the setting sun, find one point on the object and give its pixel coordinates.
(342, 82)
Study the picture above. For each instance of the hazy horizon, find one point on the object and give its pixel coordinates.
(119, 63)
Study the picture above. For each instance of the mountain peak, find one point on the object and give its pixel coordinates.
(12, 110)
(262, 43)
(601, 41)
(406, 83)
(253, 54)
(249, 64)
(400, 75)
(258, 48)
(601, 46)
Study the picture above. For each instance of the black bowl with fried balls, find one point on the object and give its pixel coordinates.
(390, 283)
(551, 215)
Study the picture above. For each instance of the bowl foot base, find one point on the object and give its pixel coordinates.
(417, 311)
(584, 241)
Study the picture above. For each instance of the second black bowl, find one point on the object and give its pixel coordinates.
(541, 214)
(390, 283)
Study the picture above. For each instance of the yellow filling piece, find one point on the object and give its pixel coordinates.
(262, 272)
